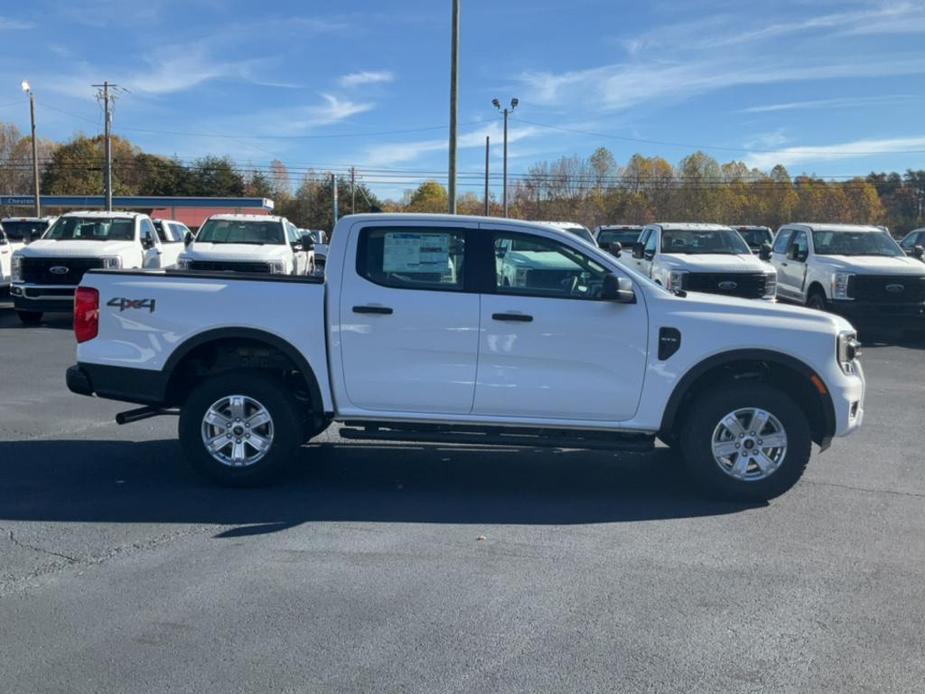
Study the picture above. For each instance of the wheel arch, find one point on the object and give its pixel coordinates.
(215, 340)
(793, 376)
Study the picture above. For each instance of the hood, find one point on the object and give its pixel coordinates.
(715, 263)
(236, 251)
(762, 315)
(872, 265)
(49, 248)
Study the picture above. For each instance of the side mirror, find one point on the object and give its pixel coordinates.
(147, 243)
(308, 243)
(618, 289)
(637, 250)
(648, 255)
(918, 251)
(616, 249)
(764, 252)
(188, 238)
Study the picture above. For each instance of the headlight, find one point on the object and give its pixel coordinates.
(16, 269)
(840, 283)
(849, 349)
(112, 262)
(770, 285)
(676, 279)
(276, 267)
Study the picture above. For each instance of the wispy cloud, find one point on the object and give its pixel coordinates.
(859, 149)
(8, 24)
(403, 152)
(621, 86)
(845, 102)
(356, 79)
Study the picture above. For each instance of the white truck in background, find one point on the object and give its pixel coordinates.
(856, 271)
(249, 243)
(46, 272)
(707, 258)
(413, 334)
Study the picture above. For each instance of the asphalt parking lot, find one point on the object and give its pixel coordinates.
(436, 568)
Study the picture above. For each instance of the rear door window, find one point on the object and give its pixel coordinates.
(412, 257)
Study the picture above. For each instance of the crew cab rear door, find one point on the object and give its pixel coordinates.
(408, 321)
(550, 347)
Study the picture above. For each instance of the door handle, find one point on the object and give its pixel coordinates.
(379, 310)
(513, 317)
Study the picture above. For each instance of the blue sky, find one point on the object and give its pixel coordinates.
(832, 88)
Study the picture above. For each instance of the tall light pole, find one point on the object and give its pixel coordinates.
(506, 111)
(105, 93)
(454, 107)
(35, 156)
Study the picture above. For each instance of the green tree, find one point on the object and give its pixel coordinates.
(76, 168)
(216, 176)
(430, 196)
(161, 176)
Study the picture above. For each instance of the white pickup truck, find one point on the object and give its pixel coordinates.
(46, 272)
(859, 272)
(413, 334)
(704, 258)
(249, 243)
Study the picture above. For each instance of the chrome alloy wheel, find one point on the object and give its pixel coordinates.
(237, 431)
(749, 444)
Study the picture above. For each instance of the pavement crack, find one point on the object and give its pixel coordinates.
(894, 492)
(42, 550)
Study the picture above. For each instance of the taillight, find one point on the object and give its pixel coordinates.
(86, 314)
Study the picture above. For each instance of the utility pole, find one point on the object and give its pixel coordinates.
(454, 107)
(334, 198)
(35, 156)
(487, 153)
(353, 190)
(107, 114)
(506, 111)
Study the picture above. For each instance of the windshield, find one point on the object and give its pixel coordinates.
(92, 229)
(710, 242)
(756, 237)
(880, 243)
(23, 230)
(240, 231)
(625, 237)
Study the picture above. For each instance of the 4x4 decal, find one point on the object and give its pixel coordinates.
(123, 303)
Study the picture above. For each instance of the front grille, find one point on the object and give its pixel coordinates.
(886, 289)
(39, 270)
(228, 266)
(748, 285)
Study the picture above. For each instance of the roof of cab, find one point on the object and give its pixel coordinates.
(246, 218)
(689, 226)
(104, 214)
(818, 226)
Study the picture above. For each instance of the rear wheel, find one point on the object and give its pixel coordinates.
(29, 317)
(241, 428)
(747, 442)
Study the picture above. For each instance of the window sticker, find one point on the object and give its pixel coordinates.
(406, 252)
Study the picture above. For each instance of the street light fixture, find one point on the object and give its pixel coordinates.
(506, 111)
(35, 158)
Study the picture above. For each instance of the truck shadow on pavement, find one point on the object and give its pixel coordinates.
(147, 482)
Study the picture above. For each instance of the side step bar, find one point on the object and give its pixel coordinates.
(500, 436)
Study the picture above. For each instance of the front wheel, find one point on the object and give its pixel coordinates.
(241, 428)
(746, 442)
(817, 301)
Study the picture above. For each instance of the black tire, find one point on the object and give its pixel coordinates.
(268, 391)
(817, 301)
(705, 414)
(30, 317)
